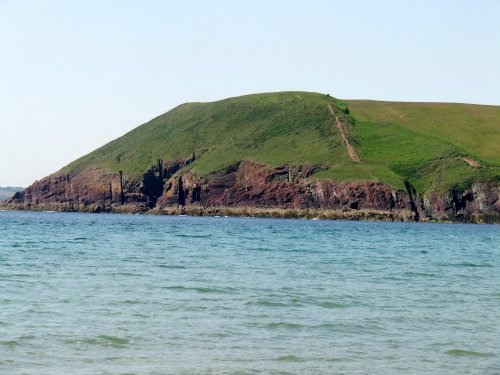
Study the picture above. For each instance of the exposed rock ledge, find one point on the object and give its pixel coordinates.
(250, 189)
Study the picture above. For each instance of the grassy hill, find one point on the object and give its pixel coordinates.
(427, 143)
(421, 141)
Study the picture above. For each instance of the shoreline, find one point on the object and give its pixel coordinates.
(261, 212)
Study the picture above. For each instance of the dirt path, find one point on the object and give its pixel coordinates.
(350, 150)
(298, 96)
(471, 162)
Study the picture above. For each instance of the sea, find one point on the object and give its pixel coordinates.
(139, 294)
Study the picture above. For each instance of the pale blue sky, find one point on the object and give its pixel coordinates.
(77, 74)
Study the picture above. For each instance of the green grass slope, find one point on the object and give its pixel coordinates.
(423, 141)
(395, 141)
(269, 128)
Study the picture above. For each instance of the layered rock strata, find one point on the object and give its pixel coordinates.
(245, 187)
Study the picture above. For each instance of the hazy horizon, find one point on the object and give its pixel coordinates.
(77, 75)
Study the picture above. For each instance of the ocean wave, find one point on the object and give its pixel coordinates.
(172, 266)
(101, 340)
(468, 353)
(289, 358)
(286, 325)
(10, 343)
(267, 303)
(181, 288)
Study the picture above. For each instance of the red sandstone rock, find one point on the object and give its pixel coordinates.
(247, 184)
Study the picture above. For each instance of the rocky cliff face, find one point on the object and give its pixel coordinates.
(481, 202)
(247, 184)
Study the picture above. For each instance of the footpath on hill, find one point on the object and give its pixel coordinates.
(350, 150)
(471, 162)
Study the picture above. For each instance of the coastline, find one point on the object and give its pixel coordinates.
(262, 212)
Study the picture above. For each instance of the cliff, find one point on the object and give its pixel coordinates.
(287, 154)
(250, 185)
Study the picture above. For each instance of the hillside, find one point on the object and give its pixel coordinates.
(422, 142)
(263, 128)
(292, 140)
(416, 140)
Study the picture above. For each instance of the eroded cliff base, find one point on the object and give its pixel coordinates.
(251, 189)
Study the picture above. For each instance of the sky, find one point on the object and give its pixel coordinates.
(75, 75)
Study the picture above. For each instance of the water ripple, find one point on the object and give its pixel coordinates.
(116, 294)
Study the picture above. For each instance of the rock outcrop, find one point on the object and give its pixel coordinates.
(247, 184)
(479, 203)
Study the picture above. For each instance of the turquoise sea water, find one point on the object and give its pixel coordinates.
(128, 294)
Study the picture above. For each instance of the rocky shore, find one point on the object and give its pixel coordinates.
(250, 189)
